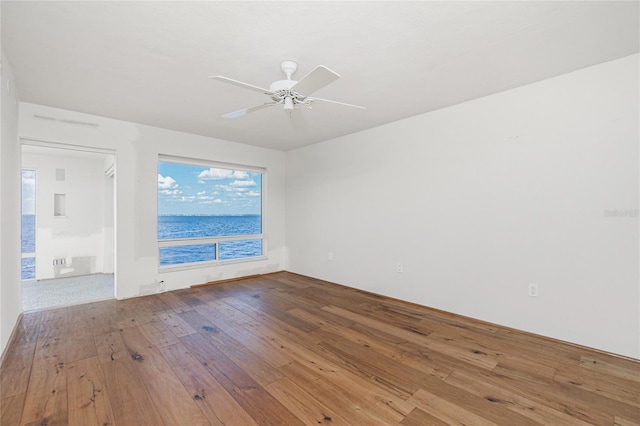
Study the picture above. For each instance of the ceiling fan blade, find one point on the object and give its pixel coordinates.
(315, 80)
(241, 84)
(335, 102)
(245, 111)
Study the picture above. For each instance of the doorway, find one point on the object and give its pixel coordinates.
(68, 224)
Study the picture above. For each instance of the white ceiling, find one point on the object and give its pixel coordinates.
(148, 62)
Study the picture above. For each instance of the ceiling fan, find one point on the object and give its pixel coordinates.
(290, 93)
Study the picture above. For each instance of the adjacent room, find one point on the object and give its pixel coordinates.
(358, 213)
(67, 226)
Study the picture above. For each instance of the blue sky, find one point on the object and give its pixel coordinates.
(28, 192)
(187, 189)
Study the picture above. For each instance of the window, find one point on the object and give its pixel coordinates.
(208, 213)
(28, 229)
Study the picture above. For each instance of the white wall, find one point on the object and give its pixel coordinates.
(79, 235)
(137, 147)
(480, 199)
(10, 292)
(108, 266)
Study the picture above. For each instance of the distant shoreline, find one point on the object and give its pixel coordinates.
(195, 215)
(209, 215)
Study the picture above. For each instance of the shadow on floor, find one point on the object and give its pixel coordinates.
(59, 292)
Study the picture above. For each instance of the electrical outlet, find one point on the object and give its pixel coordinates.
(330, 256)
(399, 268)
(533, 290)
(161, 286)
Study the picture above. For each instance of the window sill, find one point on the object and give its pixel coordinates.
(213, 263)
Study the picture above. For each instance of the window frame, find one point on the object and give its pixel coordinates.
(176, 242)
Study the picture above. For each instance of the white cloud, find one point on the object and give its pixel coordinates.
(213, 201)
(169, 192)
(201, 193)
(28, 181)
(253, 194)
(219, 174)
(166, 182)
(243, 183)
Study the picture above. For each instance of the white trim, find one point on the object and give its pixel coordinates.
(205, 264)
(215, 240)
(206, 240)
(209, 163)
(69, 147)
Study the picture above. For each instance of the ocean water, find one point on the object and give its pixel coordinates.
(207, 226)
(28, 236)
(170, 227)
(28, 233)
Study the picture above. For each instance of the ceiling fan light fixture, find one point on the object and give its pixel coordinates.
(288, 104)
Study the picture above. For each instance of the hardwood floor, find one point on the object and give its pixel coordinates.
(287, 350)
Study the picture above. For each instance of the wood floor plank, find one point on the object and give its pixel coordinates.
(419, 418)
(513, 401)
(303, 405)
(214, 401)
(11, 409)
(611, 366)
(397, 379)
(28, 327)
(130, 401)
(561, 398)
(291, 280)
(398, 355)
(412, 336)
(174, 407)
(159, 334)
(177, 325)
(476, 357)
(581, 403)
(253, 399)
(239, 352)
(326, 365)
(276, 309)
(287, 349)
(46, 396)
(16, 369)
(173, 302)
(621, 421)
(88, 400)
(51, 346)
(261, 317)
(619, 389)
(189, 297)
(451, 414)
(236, 324)
(80, 344)
(341, 398)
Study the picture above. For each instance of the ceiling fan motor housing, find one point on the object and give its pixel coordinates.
(282, 92)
